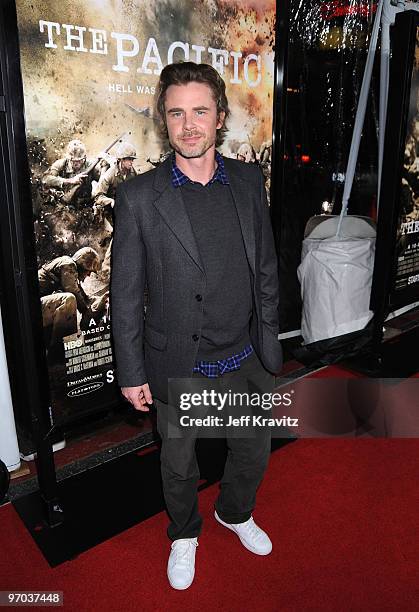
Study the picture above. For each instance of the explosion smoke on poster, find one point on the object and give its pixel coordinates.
(90, 69)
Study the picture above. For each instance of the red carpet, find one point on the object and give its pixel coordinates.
(343, 516)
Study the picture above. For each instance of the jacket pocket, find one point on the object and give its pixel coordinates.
(156, 339)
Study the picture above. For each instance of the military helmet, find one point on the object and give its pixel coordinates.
(76, 150)
(125, 149)
(87, 259)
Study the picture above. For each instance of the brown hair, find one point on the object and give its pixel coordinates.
(182, 73)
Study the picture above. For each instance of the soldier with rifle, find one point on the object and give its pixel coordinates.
(122, 170)
(72, 176)
(104, 194)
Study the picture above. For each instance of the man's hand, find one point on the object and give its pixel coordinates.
(138, 396)
(75, 180)
(100, 304)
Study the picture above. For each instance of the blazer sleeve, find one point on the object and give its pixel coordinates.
(127, 294)
(268, 267)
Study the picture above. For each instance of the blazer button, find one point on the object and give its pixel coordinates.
(195, 337)
(198, 297)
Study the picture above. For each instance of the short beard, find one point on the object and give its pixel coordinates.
(192, 154)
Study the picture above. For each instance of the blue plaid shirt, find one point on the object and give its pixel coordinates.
(212, 369)
(179, 179)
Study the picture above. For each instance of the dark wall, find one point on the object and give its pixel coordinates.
(327, 50)
(18, 271)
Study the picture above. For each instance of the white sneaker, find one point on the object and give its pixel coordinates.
(181, 564)
(251, 536)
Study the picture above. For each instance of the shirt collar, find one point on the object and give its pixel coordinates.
(179, 178)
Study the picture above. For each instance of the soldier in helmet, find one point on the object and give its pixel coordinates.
(62, 294)
(123, 170)
(69, 172)
(104, 194)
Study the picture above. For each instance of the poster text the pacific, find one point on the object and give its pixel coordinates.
(80, 39)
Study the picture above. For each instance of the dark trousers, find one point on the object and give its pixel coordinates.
(247, 459)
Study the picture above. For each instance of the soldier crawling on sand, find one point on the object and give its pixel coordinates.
(62, 295)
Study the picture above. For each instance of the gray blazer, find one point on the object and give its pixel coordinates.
(154, 246)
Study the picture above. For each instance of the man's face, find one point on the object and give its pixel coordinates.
(126, 164)
(77, 164)
(191, 118)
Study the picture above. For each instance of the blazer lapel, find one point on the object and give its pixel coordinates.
(171, 207)
(242, 196)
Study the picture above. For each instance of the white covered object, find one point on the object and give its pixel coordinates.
(335, 276)
(9, 449)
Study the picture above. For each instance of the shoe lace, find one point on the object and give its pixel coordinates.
(252, 529)
(183, 550)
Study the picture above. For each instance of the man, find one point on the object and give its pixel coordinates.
(104, 193)
(62, 294)
(122, 170)
(68, 175)
(196, 229)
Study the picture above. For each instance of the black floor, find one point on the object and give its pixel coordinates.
(110, 498)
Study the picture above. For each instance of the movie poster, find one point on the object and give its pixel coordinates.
(90, 69)
(407, 247)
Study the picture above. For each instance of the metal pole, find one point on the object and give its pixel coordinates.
(360, 116)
